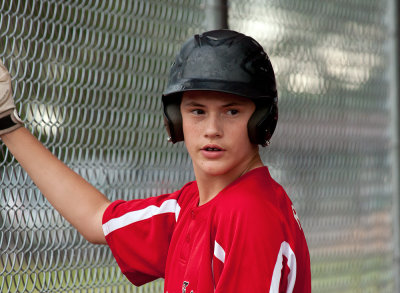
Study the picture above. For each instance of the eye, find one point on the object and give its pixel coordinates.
(197, 111)
(232, 112)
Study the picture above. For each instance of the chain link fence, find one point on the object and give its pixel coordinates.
(87, 78)
(331, 149)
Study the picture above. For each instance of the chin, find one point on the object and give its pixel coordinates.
(215, 169)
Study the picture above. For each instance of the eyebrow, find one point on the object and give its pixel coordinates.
(195, 104)
(233, 104)
(192, 104)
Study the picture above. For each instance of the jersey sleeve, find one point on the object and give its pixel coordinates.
(138, 233)
(257, 250)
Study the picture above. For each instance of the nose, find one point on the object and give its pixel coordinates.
(214, 126)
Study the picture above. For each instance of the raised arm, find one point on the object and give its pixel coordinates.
(74, 198)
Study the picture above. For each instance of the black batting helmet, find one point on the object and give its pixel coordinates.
(224, 61)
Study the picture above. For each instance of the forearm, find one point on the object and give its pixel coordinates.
(76, 200)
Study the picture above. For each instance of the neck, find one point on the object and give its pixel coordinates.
(210, 184)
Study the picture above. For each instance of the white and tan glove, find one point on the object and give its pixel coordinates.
(9, 119)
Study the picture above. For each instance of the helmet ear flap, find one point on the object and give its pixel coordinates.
(173, 118)
(262, 123)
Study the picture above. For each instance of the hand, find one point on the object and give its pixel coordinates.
(9, 119)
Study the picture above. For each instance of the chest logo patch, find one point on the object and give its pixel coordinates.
(184, 285)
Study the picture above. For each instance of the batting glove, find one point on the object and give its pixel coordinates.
(9, 119)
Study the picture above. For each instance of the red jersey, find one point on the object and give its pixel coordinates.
(246, 239)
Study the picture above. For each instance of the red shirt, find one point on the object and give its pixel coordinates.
(246, 239)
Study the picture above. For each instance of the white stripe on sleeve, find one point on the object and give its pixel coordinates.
(291, 262)
(168, 206)
(219, 252)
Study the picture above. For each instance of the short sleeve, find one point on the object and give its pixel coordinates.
(138, 233)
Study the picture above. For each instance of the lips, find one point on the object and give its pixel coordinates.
(212, 152)
(212, 148)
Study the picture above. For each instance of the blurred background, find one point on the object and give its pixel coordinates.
(87, 79)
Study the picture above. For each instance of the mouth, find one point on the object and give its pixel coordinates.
(212, 148)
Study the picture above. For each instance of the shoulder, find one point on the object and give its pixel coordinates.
(187, 195)
(257, 200)
(255, 191)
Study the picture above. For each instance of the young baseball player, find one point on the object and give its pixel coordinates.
(233, 229)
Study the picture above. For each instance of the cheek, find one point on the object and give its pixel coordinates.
(238, 130)
(187, 128)
(239, 136)
(190, 133)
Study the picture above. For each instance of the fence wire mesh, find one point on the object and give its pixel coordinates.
(87, 78)
(331, 149)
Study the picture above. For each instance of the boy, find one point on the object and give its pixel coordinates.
(233, 229)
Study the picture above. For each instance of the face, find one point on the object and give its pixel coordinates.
(215, 131)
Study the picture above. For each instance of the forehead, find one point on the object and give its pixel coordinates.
(214, 97)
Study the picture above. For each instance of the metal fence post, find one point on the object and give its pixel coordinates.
(394, 45)
(216, 12)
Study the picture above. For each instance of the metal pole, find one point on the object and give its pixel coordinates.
(393, 12)
(216, 14)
